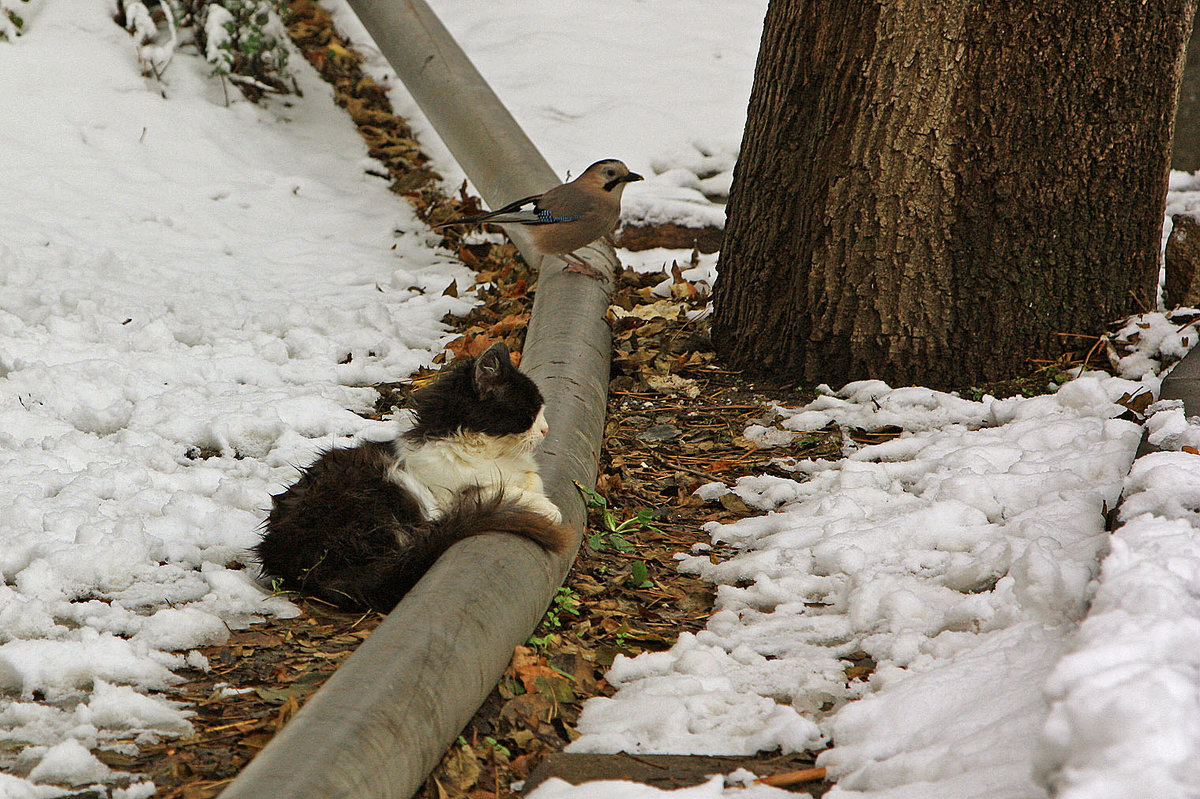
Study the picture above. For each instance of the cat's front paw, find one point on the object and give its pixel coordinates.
(549, 510)
(539, 503)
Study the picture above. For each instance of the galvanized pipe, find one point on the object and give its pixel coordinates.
(382, 722)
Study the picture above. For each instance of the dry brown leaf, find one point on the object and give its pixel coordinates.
(286, 711)
(517, 289)
(674, 384)
(661, 309)
(471, 345)
(734, 504)
(508, 324)
(471, 260)
(533, 711)
(459, 771)
(530, 667)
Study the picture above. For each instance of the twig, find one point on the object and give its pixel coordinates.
(172, 43)
(495, 771)
(681, 468)
(361, 619)
(793, 777)
(253, 82)
(1087, 358)
(1145, 306)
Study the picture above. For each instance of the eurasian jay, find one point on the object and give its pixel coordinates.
(569, 216)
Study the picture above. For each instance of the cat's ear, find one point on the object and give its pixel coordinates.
(489, 369)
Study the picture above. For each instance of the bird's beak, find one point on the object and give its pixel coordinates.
(632, 177)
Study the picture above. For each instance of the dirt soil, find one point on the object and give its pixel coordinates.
(675, 421)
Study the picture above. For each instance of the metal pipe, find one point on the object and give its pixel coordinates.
(486, 141)
(383, 721)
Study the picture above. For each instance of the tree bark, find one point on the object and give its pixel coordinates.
(1185, 149)
(931, 190)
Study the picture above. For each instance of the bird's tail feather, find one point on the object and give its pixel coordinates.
(497, 218)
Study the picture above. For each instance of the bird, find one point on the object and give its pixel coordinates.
(568, 216)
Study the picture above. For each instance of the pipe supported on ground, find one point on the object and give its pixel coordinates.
(383, 721)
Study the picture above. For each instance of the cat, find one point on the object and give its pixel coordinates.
(362, 524)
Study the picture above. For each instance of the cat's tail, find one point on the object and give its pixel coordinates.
(477, 512)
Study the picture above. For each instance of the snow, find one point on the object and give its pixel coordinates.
(661, 85)
(1126, 710)
(738, 785)
(936, 553)
(196, 294)
(69, 763)
(194, 297)
(1019, 649)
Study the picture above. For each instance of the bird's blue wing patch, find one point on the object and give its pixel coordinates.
(545, 217)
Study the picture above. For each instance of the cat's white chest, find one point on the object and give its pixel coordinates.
(436, 471)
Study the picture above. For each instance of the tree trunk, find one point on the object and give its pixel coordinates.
(1185, 150)
(931, 190)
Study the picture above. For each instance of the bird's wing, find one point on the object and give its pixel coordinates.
(565, 203)
(525, 207)
(523, 211)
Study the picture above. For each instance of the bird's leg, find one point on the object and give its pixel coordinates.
(581, 267)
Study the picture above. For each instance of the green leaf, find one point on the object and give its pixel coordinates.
(592, 499)
(500, 748)
(620, 543)
(639, 575)
(645, 516)
(610, 521)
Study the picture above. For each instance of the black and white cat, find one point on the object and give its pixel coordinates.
(361, 525)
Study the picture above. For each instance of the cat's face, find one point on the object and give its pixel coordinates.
(484, 396)
(539, 429)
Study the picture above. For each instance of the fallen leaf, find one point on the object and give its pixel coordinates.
(733, 503)
(286, 711)
(279, 696)
(533, 712)
(470, 345)
(517, 289)
(459, 771)
(663, 309)
(529, 667)
(659, 433)
(674, 384)
(508, 324)
(1136, 402)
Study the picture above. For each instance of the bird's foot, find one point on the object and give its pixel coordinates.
(581, 267)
